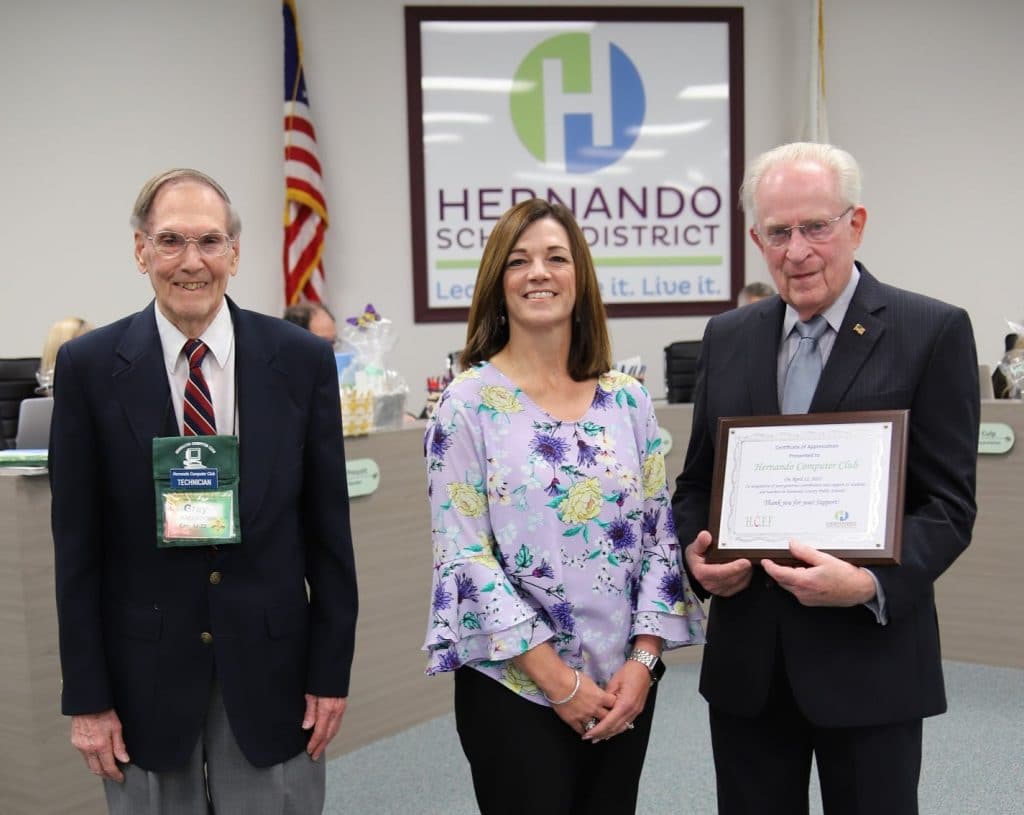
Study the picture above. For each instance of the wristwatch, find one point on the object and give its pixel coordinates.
(652, 662)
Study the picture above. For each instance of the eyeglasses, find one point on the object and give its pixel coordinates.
(172, 244)
(813, 231)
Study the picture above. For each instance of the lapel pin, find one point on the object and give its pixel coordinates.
(859, 329)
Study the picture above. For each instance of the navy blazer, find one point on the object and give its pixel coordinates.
(844, 667)
(131, 615)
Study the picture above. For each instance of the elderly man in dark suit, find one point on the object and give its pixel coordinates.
(209, 672)
(826, 658)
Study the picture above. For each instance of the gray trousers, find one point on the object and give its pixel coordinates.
(219, 779)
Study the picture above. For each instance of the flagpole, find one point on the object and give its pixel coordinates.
(817, 116)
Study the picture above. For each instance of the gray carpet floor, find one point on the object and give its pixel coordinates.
(973, 757)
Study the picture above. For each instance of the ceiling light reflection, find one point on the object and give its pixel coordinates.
(460, 118)
(680, 129)
(475, 84)
(720, 91)
(442, 138)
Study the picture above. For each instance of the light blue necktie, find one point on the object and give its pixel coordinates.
(805, 367)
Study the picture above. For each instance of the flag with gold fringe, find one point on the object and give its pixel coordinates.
(305, 208)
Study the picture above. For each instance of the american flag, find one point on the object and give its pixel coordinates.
(305, 209)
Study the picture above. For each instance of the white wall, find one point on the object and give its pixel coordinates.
(101, 94)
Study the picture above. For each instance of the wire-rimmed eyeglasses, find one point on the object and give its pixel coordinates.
(172, 244)
(813, 231)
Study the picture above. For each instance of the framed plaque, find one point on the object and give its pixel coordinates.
(834, 481)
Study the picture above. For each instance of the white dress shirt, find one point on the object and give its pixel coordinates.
(834, 316)
(218, 367)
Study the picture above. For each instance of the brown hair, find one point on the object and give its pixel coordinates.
(487, 330)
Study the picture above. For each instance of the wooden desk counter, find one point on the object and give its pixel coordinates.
(979, 608)
(40, 772)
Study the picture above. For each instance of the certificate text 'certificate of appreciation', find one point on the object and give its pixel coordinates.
(834, 481)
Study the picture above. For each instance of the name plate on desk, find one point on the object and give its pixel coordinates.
(995, 439)
(363, 476)
(834, 481)
(666, 440)
(23, 462)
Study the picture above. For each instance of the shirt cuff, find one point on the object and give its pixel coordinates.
(876, 605)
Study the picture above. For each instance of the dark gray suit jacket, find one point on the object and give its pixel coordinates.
(131, 615)
(845, 669)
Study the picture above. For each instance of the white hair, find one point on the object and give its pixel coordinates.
(841, 163)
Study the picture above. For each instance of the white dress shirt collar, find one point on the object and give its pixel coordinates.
(219, 337)
(833, 315)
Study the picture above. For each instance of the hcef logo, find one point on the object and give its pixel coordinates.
(543, 110)
(842, 521)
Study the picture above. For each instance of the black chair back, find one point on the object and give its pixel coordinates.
(681, 370)
(17, 383)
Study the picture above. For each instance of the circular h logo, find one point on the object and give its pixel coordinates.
(555, 120)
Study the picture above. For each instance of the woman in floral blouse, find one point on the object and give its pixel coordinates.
(557, 581)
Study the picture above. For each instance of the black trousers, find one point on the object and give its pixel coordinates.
(763, 764)
(524, 759)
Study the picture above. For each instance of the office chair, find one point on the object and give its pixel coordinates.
(17, 382)
(681, 370)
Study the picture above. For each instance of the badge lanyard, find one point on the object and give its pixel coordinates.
(196, 485)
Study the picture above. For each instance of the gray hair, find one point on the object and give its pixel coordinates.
(841, 163)
(302, 313)
(754, 291)
(144, 203)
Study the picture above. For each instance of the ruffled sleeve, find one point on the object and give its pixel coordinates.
(665, 605)
(476, 614)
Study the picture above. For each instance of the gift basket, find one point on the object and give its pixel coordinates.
(372, 396)
(1011, 366)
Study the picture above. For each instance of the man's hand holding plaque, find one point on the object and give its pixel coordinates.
(722, 579)
(824, 580)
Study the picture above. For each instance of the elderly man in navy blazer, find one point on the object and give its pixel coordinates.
(826, 658)
(201, 676)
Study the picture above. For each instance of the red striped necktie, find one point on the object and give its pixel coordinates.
(198, 406)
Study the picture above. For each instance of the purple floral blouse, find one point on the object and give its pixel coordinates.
(548, 530)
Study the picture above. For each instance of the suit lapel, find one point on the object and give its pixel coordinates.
(862, 328)
(763, 361)
(260, 394)
(140, 381)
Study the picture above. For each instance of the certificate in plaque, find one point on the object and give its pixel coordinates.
(834, 481)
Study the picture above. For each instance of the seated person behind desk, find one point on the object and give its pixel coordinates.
(753, 292)
(316, 318)
(60, 332)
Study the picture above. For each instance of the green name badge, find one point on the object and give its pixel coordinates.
(196, 484)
